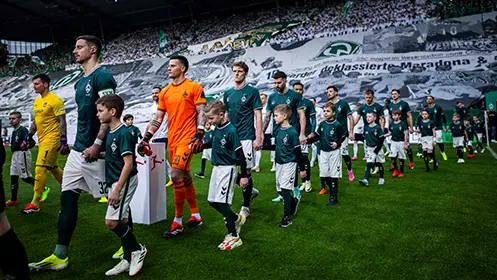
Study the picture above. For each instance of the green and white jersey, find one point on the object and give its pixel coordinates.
(479, 127)
(292, 99)
(426, 127)
(398, 129)
(118, 143)
(241, 104)
(471, 132)
(373, 134)
(329, 132)
(88, 89)
(208, 136)
(457, 129)
(437, 115)
(18, 136)
(402, 106)
(286, 140)
(342, 113)
(135, 132)
(310, 115)
(365, 109)
(225, 142)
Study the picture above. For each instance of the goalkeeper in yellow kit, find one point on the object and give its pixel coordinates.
(50, 124)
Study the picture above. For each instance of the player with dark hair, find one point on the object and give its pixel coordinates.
(405, 116)
(310, 127)
(83, 170)
(374, 136)
(343, 115)
(479, 128)
(243, 105)
(427, 129)
(437, 115)
(135, 131)
(184, 101)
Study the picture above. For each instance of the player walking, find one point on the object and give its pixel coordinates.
(437, 115)
(405, 116)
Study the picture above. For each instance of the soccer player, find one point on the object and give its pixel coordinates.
(479, 128)
(243, 104)
(21, 158)
(374, 136)
(121, 177)
(358, 132)
(135, 131)
(184, 101)
(343, 115)
(388, 120)
(437, 115)
(469, 134)
(227, 150)
(206, 152)
(267, 137)
(288, 157)
(399, 132)
(284, 95)
(83, 170)
(310, 127)
(405, 116)
(319, 119)
(161, 135)
(428, 139)
(458, 133)
(461, 110)
(50, 123)
(330, 136)
(13, 258)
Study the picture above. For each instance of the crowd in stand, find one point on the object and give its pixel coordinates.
(459, 8)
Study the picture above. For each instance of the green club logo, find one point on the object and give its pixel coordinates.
(339, 48)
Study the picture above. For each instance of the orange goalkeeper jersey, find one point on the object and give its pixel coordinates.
(180, 102)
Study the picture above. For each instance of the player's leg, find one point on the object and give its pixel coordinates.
(424, 142)
(314, 154)
(348, 161)
(469, 144)
(249, 192)
(272, 155)
(205, 156)
(15, 172)
(411, 159)
(439, 139)
(332, 174)
(258, 155)
(401, 154)
(380, 160)
(370, 159)
(306, 181)
(355, 149)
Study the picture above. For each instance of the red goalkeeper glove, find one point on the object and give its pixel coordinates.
(197, 141)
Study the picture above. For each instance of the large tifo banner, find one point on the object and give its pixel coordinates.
(451, 60)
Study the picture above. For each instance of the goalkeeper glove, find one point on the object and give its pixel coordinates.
(144, 146)
(63, 148)
(197, 141)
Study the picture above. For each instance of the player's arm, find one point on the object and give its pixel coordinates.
(381, 139)
(302, 125)
(409, 121)
(152, 127)
(125, 172)
(240, 155)
(32, 129)
(197, 141)
(382, 122)
(259, 133)
(351, 121)
(357, 118)
(300, 160)
(406, 138)
(267, 119)
(64, 148)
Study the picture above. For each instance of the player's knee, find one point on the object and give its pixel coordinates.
(176, 175)
(111, 224)
(40, 171)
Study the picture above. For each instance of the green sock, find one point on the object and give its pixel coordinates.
(287, 198)
(229, 217)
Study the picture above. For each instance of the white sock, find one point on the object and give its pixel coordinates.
(245, 208)
(196, 215)
(179, 220)
(356, 148)
(258, 155)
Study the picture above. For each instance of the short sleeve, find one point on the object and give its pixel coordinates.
(126, 143)
(319, 129)
(380, 110)
(380, 131)
(295, 139)
(256, 100)
(162, 101)
(359, 112)
(58, 107)
(198, 94)
(269, 106)
(347, 109)
(105, 84)
(407, 107)
(235, 140)
(299, 101)
(312, 109)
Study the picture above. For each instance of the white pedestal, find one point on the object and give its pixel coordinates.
(148, 205)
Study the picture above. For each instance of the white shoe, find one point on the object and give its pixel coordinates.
(312, 164)
(244, 212)
(137, 258)
(308, 187)
(240, 221)
(302, 187)
(475, 152)
(256, 169)
(273, 169)
(482, 150)
(460, 160)
(121, 267)
(230, 242)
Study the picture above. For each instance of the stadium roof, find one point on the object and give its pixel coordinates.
(53, 20)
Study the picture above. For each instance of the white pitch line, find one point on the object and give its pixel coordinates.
(492, 152)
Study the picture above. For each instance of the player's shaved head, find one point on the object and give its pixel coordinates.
(17, 114)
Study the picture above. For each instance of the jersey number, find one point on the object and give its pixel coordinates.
(176, 159)
(103, 188)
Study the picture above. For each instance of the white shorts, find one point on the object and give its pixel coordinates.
(272, 155)
(248, 150)
(21, 164)
(330, 164)
(222, 184)
(207, 154)
(388, 140)
(285, 176)
(470, 143)
(304, 148)
(457, 141)
(427, 142)
(121, 210)
(438, 136)
(88, 177)
(344, 148)
(397, 149)
(371, 157)
(479, 136)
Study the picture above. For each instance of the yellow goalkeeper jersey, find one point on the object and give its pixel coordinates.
(46, 111)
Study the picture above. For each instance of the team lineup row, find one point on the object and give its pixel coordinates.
(234, 142)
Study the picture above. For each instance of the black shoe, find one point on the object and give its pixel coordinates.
(200, 175)
(175, 230)
(332, 200)
(286, 222)
(435, 165)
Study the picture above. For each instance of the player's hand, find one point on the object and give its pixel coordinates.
(334, 145)
(91, 154)
(31, 142)
(302, 139)
(244, 182)
(63, 148)
(406, 146)
(351, 137)
(303, 174)
(434, 142)
(197, 142)
(258, 143)
(24, 145)
(144, 148)
(445, 129)
(113, 197)
(411, 130)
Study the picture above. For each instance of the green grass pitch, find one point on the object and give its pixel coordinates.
(437, 225)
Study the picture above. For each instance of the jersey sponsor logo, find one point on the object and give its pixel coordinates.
(105, 92)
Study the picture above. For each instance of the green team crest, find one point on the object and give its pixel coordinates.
(339, 48)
